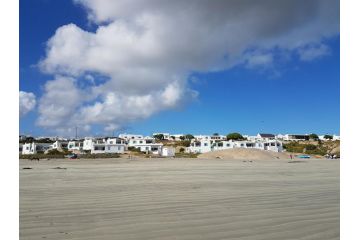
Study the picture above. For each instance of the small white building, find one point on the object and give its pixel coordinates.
(75, 145)
(204, 146)
(130, 136)
(107, 148)
(59, 145)
(265, 136)
(270, 145)
(168, 152)
(218, 137)
(202, 137)
(29, 148)
(200, 146)
(88, 142)
(222, 145)
(296, 137)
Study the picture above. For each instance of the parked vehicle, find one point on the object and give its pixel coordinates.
(71, 156)
(303, 156)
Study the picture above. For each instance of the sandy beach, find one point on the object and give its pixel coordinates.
(179, 199)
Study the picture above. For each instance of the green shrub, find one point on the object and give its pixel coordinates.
(234, 136)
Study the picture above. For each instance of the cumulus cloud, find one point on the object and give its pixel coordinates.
(27, 102)
(146, 50)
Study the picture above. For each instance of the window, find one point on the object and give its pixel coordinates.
(134, 142)
(206, 144)
(228, 145)
(141, 141)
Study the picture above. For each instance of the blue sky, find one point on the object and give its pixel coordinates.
(287, 96)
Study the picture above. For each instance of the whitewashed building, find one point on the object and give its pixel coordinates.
(168, 152)
(130, 136)
(75, 145)
(107, 148)
(147, 145)
(29, 148)
(265, 136)
(222, 145)
(204, 146)
(202, 137)
(200, 146)
(296, 137)
(59, 145)
(218, 137)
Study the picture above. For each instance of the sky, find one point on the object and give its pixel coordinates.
(200, 67)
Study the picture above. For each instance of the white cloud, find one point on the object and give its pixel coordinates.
(310, 53)
(147, 49)
(27, 102)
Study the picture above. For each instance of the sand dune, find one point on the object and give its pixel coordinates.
(244, 154)
(179, 199)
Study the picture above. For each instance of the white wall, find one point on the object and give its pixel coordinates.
(29, 148)
(168, 152)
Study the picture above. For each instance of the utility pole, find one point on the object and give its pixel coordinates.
(76, 133)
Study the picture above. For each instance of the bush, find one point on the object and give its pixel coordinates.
(188, 137)
(54, 152)
(328, 137)
(159, 136)
(134, 149)
(313, 136)
(234, 136)
(185, 143)
(181, 150)
(310, 147)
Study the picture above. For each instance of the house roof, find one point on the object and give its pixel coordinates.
(266, 135)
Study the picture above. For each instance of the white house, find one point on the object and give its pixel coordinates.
(168, 152)
(250, 138)
(75, 145)
(147, 145)
(218, 137)
(200, 146)
(265, 136)
(59, 145)
(270, 145)
(279, 136)
(130, 136)
(211, 145)
(202, 137)
(104, 147)
(29, 148)
(296, 137)
(88, 142)
(222, 145)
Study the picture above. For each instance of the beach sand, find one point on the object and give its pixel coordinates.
(179, 199)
